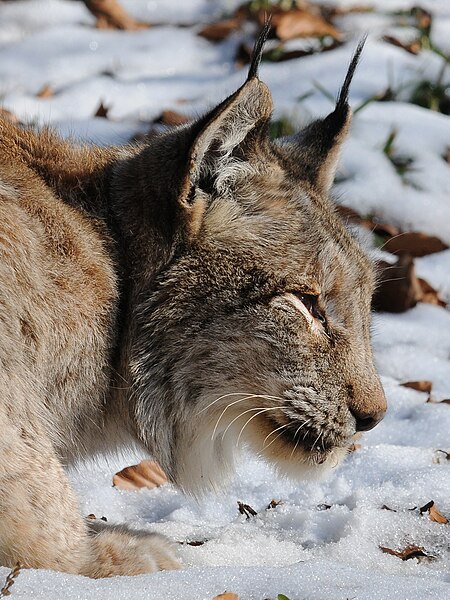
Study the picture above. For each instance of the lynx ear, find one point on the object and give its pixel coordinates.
(219, 136)
(317, 147)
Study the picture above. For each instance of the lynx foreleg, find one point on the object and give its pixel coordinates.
(40, 523)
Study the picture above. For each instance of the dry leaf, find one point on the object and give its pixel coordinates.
(354, 448)
(9, 581)
(274, 504)
(301, 23)
(216, 32)
(412, 47)
(398, 288)
(147, 474)
(8, 115)
(430, 295)
(172, 118)
(111, 15)
(45, 92)
(415, 244)
(420, 386)
(102, 111)
(408, 552)
(437, 459)
(433, 512)
(226, 596)
(246, 509)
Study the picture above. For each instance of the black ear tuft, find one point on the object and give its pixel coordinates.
(258, 49)
(342, 101)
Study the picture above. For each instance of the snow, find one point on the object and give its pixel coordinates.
(322, 541)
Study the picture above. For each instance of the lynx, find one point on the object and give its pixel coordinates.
(189, 294)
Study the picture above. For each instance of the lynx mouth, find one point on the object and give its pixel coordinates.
(317, 444)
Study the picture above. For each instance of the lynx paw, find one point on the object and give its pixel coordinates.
(118, 550)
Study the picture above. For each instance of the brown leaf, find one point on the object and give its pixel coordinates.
(415, 244)
(398, 288)
(430, 295)
(412, 47)
(102, 111)
(301, 23)
(111, 15)
(420, 386)
(45, 92)
(216, 32)
(407, 553)
(226, 596)
(172, 118)
(446, 455)
(274, 504)
(354, 448)
(246, 509)
(8, 115)
(147, 474)
(433, 512)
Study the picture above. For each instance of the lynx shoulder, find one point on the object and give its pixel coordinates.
(190, 294)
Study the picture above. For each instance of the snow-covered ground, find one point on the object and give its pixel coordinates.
(323, 541)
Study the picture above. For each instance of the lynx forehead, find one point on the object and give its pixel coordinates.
(191, 294)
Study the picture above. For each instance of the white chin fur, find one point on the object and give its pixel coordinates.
(205, 463)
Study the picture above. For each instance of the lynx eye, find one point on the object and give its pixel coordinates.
(310, 302)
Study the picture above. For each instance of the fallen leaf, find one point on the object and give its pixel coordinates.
(226, 596)
(193, 543)
(274, 504)
(420, 386)
(102, 111)
(246, 509)
(385, 507)
(301, 23)
(354, 448)
(8, 115)
(398, 288)
(446, 455)
(430, 295)
(435, 515)
(45, 92)
(111, 15)
(413, 47)
(216, 32)
(147, 474)
(408, 552)
(415, 244)
(172, 118)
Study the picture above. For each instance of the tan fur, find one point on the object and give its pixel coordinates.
(155, 295)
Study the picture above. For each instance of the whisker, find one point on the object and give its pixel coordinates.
(251, 418)
(250, 395)
(391, 238)
(295, 434)
(274, 431)
(260, 408)
(317, 439)
(276, 437)
(237, 402)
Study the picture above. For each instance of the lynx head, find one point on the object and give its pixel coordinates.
(256, 327)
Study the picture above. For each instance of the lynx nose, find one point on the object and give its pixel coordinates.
(367, 408)
(365, 421)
